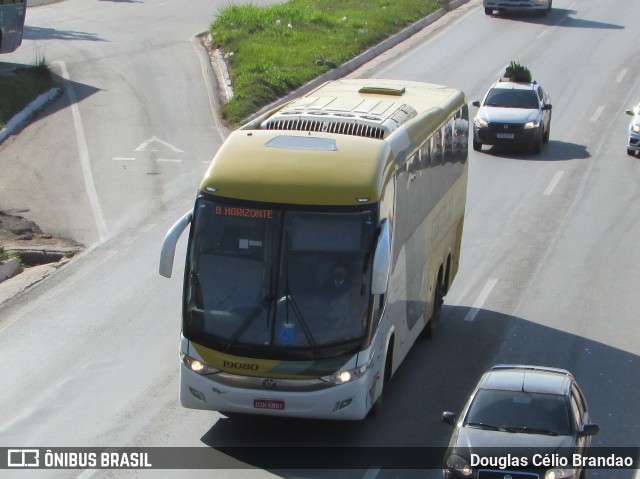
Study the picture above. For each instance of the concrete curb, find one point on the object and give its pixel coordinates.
(28, 112)
(9, 269)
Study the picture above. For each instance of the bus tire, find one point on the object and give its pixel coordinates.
(429, 330)
(376, 409)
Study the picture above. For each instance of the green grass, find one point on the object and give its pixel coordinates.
(270, 59)
(5, 256)
(20, 88)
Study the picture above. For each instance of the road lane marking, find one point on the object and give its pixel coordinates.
(621, 75)
(542, 34)
(169, 160)
(372, 472)
(597, 114)
(120, 158)
(83, 151)
(484, 294)
(552, 184)
(154, 139)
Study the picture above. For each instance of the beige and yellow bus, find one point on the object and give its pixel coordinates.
(324, 236)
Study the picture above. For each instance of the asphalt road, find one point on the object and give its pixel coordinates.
(549, 261)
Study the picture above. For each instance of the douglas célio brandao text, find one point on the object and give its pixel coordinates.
(510, 461)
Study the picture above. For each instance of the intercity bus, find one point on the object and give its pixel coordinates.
(12, 15)
(359, 183)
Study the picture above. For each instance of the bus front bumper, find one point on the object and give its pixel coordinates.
(344, 401)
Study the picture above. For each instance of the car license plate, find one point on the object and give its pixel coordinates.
(505, 136)
(268, 404)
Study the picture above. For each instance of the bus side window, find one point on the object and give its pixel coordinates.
(424, 155)
(436, 149)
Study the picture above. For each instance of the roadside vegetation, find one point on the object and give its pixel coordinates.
(20, 88)
(6, 256)
(273, 50)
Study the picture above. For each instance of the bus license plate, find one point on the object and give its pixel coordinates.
(505, 136)
(268, 404)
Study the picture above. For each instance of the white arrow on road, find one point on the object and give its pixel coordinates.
(155, 139)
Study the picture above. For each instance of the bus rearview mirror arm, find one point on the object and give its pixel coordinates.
(381, 261)
(169, 244)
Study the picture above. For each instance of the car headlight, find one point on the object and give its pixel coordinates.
(560, 473)
(635, 128)
(460, 465)
(480, 123)
(347, 375)
(531, 124)
(198, 366)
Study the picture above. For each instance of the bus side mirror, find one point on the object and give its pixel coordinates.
(169, 244)
(381, 261)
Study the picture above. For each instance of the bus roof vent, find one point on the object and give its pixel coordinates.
(370, 123)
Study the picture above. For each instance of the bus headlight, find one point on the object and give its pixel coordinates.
(559, 473)
(344, 376)
(460, 465)
(198, 366)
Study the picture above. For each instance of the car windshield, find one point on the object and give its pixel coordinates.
(507, 98)
(520, 411)
(290, 282)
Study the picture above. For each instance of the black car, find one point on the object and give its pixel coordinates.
(520, 422)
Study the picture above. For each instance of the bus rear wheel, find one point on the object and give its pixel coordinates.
(438, 299)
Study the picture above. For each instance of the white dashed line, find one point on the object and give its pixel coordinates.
(121, 158)
(552, 184)
(372, 473)
(169, 160)
(484, 294)
(621, 75)
(597, 114)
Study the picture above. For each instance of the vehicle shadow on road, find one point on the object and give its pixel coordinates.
(556, 14)
(555, 150)
(71, 91)
(437, 375)
(42, 33)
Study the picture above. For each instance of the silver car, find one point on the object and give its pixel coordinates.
(633, 147)
(540, 7)
(513, 113)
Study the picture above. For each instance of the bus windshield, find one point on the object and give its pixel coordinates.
(278, 283)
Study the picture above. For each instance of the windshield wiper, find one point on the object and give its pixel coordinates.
(489, 427)
(294, 307)
(255, 313)
(533, 430)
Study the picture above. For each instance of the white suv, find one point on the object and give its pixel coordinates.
(541, 7)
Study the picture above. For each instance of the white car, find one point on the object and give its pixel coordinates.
(634, 131)
(513, 113)
(540, 7)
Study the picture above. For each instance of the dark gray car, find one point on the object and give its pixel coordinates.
(517, 412)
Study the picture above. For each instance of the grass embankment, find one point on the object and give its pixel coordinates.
(273, 50)
(20, 88)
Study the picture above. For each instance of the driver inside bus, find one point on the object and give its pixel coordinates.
(337, 290)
